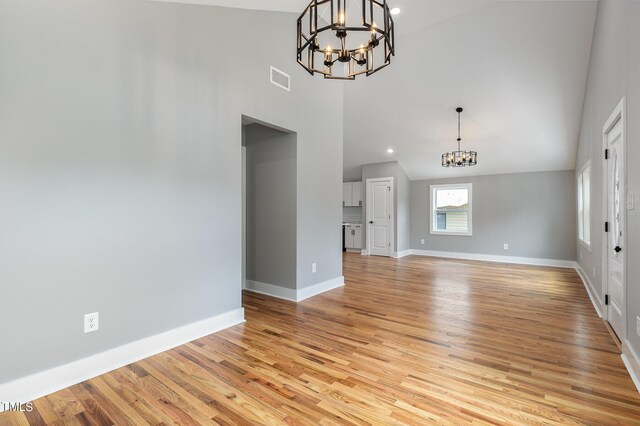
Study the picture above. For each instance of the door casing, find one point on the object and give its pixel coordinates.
(619, 113)
(392, 247)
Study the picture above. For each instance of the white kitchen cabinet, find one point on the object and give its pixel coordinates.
(347, 194)
(357, 194)
(348, 236)
(353, 236)
(352, 194)
(357, 237)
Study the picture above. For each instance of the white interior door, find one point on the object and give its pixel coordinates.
(379, 214)
(615, 246)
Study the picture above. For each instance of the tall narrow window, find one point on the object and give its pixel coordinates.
(451, 209)
(584, 205)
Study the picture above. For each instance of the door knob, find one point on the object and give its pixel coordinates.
(371, 222)
(618, 249)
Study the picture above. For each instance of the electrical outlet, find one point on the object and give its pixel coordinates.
(422, 241)
(580, 254)
(593, 272)
(314, 268)
(506, 246)
(91, 322)
(638, 326)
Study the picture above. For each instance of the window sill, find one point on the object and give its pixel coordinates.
(453, 234)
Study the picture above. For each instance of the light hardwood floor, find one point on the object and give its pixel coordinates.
(410, 341)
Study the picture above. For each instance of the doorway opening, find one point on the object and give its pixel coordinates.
(269, 208)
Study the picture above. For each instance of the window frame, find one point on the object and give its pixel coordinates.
(582, 208)
(434, 211)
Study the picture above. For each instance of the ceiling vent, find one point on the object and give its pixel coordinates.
(280, 79)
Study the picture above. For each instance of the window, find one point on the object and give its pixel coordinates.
(584, 205)
(451, 209)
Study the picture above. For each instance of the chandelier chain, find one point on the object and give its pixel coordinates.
(459, 139)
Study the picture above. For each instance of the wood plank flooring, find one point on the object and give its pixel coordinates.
(410, 341)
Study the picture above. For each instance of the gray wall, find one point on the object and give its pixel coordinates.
(271, 206)
(401, 200)
(120, 167)
(533, 212)
(403, 238)
(614, 71)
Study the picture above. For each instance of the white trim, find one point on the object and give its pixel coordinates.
(619, 113)
(432, 219)
(585, 246)
(291, 294)
(49, 381)
(307, 292)
(585, 166)
(595, 300)
(452, 234)
(580, 196)
(495, 258)
(392, 219)
(632, 362)
(399, 254)
(364, 252)
(271, 290)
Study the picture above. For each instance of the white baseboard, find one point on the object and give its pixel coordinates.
(632, 362)
(315, 289)
(364, 252)
(294, 295)
(496, 258)
(49, 381)
(595, 300)
(271, 290)
(399, 254)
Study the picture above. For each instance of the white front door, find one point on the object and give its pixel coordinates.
(379, 212)
(615, 245)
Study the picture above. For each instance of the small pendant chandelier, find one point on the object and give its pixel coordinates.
(459, 158)
(338, 38)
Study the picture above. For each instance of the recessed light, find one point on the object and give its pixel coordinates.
(390, 150)
(395, 11)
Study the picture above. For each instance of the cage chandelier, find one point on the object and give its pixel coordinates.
(342, 39)
(459, 158)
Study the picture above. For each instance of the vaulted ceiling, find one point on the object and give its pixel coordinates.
(517, 67)
(274, 5)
